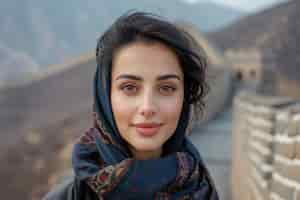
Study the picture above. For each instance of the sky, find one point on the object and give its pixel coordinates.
(246, 5)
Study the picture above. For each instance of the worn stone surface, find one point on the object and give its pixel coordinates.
(287, 150)
(284, 191)
(214, 143)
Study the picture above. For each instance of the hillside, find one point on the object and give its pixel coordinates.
(49, 32)
(38, 122)
(15, 66)
(275, 32)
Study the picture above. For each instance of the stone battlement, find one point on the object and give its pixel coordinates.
(266, 147)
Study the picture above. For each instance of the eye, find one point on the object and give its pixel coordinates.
(167, 89)
(129, 89)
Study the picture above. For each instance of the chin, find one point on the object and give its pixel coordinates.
(146, 146)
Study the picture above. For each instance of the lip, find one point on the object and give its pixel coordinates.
(148, 129)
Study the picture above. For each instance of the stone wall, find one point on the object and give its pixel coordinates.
(220, 94)
(266, 148)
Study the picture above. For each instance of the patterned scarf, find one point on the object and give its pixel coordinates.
(102, 160)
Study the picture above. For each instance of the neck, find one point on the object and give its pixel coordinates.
(146, 155)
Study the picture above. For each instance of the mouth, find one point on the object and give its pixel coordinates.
(148, 129)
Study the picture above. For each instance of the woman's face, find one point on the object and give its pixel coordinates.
(147, 96)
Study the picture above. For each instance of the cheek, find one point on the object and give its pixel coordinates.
(172, 110)
(122, 109)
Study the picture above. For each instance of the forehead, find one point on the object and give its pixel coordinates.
(146, 59)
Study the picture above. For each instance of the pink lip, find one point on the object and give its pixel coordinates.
(147, 129)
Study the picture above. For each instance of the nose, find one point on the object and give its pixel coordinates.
(148, 107)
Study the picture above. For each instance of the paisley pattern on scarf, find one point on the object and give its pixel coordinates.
(108, 177)
(105, 136)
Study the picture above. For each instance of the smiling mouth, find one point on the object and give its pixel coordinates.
(148, 130)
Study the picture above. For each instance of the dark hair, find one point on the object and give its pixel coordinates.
(147, 27)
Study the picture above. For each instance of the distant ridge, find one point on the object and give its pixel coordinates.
(275, 32)
(50, 31)
(248, 31)
(52, 70)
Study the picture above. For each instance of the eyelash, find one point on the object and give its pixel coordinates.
(167, 88)
(125, 87)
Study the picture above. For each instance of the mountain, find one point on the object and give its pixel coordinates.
(50, 32)
(275, 32)
(15, 66)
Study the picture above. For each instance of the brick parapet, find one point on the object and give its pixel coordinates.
(266, 147)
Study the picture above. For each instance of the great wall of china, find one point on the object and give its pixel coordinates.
(251, 145)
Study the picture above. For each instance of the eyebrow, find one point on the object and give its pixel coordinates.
(138, 78)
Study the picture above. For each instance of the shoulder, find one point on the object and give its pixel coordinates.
(62, 191)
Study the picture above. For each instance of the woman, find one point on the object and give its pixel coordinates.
(149, 76)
